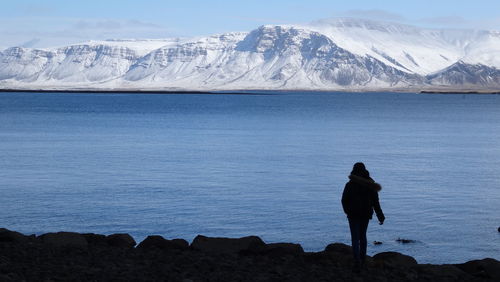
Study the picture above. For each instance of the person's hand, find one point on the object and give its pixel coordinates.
(381, 220)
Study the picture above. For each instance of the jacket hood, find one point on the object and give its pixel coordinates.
(367, 182)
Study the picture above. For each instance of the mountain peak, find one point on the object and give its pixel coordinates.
(344, 53)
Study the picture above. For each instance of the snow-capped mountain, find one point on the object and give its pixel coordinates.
(341, 54)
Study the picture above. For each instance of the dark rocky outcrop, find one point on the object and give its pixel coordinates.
(121, 240)
(442, 273)
(395, 260)
(65, 239)
(339, 248)
(68, 256)
(11, 236)
(95, 239)
(226, 245)
(158, 242)
(278, 249)
(488, 267)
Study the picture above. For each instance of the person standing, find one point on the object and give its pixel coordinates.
(359, 200)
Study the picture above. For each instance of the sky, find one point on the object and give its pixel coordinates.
(46, 23)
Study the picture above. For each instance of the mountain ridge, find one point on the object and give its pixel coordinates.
(352, 55)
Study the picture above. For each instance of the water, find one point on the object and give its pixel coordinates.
(267, 165)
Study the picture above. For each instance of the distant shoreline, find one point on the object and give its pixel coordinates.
(244, 92)
(458, 92)
(111, 91)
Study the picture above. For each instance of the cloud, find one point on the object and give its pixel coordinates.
(144, 24)
(64, 31)
(30, 43)
(492, 24)
(374, 14)
(459, 22)
(97, 25)
(258, 20)
(37, 9)
(110, 24)
(447, 20)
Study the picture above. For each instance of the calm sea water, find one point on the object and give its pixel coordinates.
(267, 165)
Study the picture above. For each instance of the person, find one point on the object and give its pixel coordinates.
(359, 199)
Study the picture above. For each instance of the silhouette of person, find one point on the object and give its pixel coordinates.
(359, 199)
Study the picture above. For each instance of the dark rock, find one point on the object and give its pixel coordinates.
(226, 245)
(121, 240)
(279, 249)
(6, 278)
(95, 239)
(340, 253)
(180, 243)
(394, 259)
(441, 272)
(64, 239)
(38, 260)
(498, 229)
(11, 236)
(487, 267)
(339, 248)
(405, 241)
(158, 242)
(377, 243)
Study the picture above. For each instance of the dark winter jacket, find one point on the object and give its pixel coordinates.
(360, 198)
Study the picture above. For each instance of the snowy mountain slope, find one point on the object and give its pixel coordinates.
(343, 54)
(84, 63)
(485, 50)
(409, 48)
(465, 74)
(271, 57)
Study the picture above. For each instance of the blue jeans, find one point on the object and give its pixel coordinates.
(358, 228)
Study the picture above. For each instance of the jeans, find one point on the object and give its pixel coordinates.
(358, 228)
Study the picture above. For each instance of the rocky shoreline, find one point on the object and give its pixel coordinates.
(68, 256)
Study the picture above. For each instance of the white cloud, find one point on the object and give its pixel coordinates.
(375, 14)
(56, 32)
(445, 21)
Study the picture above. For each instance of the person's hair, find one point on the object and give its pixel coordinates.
(359, 169)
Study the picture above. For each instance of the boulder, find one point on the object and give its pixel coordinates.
(180, 243)
(341, 253)
(290, 248)
(395, 260)
(279, 249)
(64, 239)
(95, 239)
(11, 236)
(120, 240)
(442, 272)
(158, 242)
(487, 267)
(226, 245)
(339, 248)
